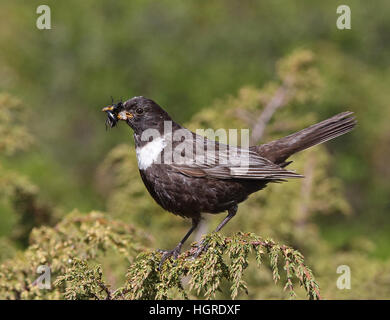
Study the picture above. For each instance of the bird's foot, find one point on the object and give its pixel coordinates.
(169, 253)
(201, 248)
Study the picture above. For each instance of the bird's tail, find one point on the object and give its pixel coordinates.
(279, 150)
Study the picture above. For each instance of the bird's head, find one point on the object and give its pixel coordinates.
(139, 113)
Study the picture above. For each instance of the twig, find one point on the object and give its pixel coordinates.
(280, 99)
(245, 115)
(106, 290)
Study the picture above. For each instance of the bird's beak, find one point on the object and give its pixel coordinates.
(124, 115)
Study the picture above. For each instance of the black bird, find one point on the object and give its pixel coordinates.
(188, 174)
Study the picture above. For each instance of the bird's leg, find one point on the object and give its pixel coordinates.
(231, 213)
(176, 251)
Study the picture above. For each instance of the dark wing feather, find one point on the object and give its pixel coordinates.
(226, 162)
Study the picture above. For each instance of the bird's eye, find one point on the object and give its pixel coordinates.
(139, 110)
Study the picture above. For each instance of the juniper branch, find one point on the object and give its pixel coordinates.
(209, 270)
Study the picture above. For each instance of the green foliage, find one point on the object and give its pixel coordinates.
(22, 197)
(17, 193)
(298, 72)
(82, 282)
(13, 119)
(73, 247)
(69, 249)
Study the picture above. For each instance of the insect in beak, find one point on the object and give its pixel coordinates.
(108, 108)
(115, 113)
(111, 116)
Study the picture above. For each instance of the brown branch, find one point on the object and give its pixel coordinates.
(279, 99)
(106, 290)
(246, 116)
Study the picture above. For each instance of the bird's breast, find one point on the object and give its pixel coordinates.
(150, 153)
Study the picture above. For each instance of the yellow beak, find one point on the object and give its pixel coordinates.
(124, 115)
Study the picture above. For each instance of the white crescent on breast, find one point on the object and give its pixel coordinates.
(150, 153)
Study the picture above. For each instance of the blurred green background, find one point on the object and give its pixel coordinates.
(190, 57)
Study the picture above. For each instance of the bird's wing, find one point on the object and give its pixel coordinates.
(202, 157)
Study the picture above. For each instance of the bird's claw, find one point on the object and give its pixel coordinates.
(162, 251)
(176, 251)
(201, 248)
(168, 253)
